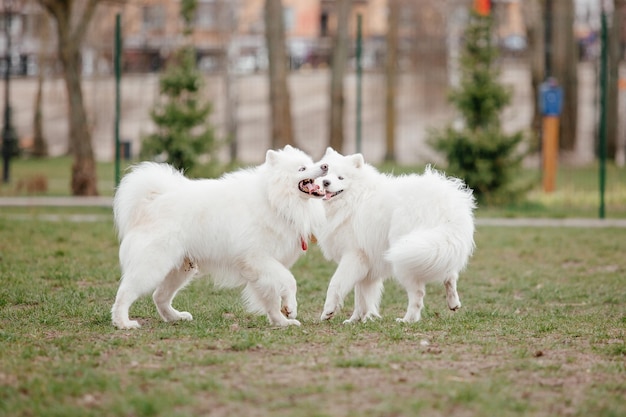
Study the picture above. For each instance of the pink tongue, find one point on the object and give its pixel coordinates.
(304, 245)
(312, 187)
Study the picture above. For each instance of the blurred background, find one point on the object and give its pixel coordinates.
(386, 67)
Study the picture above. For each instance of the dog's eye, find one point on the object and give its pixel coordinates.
(340, 178)
(302, 169)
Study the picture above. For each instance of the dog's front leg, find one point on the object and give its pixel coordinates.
(273, 292)
(352, 268)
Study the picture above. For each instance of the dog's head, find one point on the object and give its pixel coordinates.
(298, 168)
(341, 172)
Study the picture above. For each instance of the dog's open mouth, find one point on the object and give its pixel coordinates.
(331, 194)
(309, 187)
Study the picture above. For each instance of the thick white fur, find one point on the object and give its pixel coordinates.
(245, 229)
(418, 228)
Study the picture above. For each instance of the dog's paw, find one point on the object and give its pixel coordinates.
(128, 325)
(289, 312)
(173, 316)
(370, 316)
(279, 320)
(407, 320)
(455, 307)
(185, 316)
(353, 319)
(362, 318)
(327, 315)
(285, 322)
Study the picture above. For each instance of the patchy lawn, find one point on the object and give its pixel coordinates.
(541, 332)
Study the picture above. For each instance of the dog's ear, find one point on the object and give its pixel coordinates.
(288, 148)
(357, 160)
(271, 157)
(330, 151)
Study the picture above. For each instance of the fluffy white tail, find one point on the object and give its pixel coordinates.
(143, 184)
(432, 254)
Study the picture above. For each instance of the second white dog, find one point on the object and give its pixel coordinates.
(418, 228)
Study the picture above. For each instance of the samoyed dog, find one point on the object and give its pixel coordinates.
(418, 228)
(244, 229)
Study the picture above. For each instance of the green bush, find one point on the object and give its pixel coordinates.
(183, 131)
(487, 160)
(479, 151)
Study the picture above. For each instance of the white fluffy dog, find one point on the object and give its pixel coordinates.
(418, 228)
(245, 229)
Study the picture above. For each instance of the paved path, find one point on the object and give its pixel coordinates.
(107, 202)
(56, 201)
(546, 222)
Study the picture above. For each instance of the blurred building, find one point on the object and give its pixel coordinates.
(226, 32)
(231, 33)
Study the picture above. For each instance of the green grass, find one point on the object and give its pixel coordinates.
(57, 171)
(541, 332)
(577, 192)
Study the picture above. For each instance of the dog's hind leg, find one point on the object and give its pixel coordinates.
(367, 294)
(167, 290)
(126, 296)
(144, 266)
(133, 285)
(416, 290)
(454, 303)
(352, 268)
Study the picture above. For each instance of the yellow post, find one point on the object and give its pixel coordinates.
(550, 152)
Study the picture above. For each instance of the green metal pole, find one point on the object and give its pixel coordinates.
(359, 80)
(118, 73)
(603, 97)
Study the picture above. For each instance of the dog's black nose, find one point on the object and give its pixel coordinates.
(326, 183)
(324, 167)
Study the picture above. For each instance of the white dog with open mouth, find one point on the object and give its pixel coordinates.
(245, 229)
(418, 228)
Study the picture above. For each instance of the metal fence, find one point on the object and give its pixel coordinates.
(428, 67)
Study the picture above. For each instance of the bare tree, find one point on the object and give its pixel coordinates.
(339, 61)
(280, 103)
(231, 93)
(72, 18)
(391, 76)
(40, 146)
(614, 57)
(535, 32)
(564, 60)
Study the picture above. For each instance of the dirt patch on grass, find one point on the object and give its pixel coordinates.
(381, 378)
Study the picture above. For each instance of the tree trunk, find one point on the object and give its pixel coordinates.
(40, 147)
(535, 32)
(620, 136)
(339, 61)
(280, 103)
(565, 69)
(84, 181)
(231, 89)
(69, 38)
(614, 55)
(391, 76)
